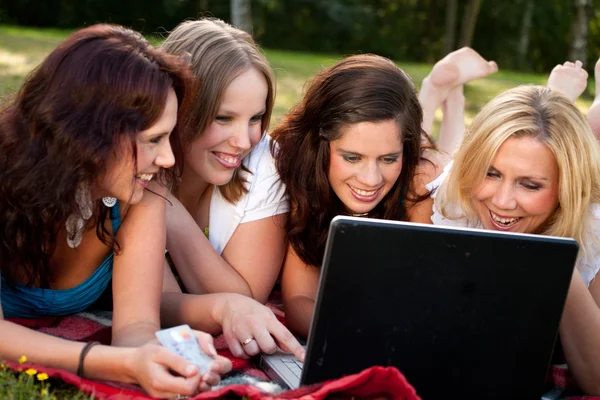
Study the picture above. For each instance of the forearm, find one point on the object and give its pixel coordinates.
(134, 335)
(102, 362)
(201, 312)
(299, 312)
(579, 330)
(201, 268)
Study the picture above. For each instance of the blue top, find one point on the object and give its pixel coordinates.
(20, 301)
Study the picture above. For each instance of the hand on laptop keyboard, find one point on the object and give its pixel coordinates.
(250, 328)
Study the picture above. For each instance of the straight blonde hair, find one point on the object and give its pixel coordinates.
(549, 117)
(218, 53)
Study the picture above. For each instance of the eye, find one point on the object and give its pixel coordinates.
(222, 118)
(492, 174)
(351, 158)
(531, 186)
(156, 140)
(390, 160)
(256, 119)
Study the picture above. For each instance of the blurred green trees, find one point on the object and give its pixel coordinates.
(521, 34)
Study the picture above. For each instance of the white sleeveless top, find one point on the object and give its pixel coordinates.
(588, 266)
(265, 198)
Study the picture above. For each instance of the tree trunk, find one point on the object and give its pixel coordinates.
(522, 60)
(469, 21)
(450, 37)
(579, 31)
(241, 15)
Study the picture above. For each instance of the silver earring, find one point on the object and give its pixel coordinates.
(76, 221)
(109, 201)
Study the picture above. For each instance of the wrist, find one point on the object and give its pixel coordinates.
(110, 363)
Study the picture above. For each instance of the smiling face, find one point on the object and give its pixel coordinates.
(237, 128)
(127, 183)
(520, 191)
(365, 163)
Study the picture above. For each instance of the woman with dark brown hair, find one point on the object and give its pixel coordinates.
(79, 144)
(353, 146)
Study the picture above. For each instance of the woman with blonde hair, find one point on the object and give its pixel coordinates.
(226, 225)
(530, 163)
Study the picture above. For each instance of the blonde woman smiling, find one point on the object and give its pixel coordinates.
(530, 163)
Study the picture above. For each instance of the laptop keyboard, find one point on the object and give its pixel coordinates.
(294, 365)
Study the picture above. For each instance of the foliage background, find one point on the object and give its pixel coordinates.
(408, 30)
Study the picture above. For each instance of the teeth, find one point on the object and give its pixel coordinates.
(504, 221)
(145, 177)
(365, 193)
(228, 159)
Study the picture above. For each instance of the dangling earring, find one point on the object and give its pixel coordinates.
(76, 221)
(109, 201)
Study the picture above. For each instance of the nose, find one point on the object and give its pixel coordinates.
(504, 197)
(241, 137)
(165, 157)
(370, 175)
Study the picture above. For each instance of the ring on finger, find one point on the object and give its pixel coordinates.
(247, 341)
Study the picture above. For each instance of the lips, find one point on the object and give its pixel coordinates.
(228, 160)
(143, 179)
(365, 196)
(503, 223)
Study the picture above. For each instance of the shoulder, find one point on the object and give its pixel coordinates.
(429, 169)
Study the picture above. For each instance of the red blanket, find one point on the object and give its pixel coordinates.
(373, 382)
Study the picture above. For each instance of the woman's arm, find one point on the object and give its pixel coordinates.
(256, 252)
(579, 333)
(299, 287)
(201, 268)
(138, 271)
(238, 317)
(250, 262)
(148, 365)
(426, 172)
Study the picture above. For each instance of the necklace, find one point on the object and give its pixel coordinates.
(366, 214)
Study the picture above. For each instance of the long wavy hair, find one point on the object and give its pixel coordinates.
(102, 84)
(361, 88)
(549, 117)
(218, 53)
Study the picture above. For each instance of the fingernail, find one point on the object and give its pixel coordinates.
(302, 355)
(191, 369)
(211, 350)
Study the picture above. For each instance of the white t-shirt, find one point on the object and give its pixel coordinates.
(265, 198)
(588, 266)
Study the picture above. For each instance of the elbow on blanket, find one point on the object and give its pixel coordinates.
(590, 384)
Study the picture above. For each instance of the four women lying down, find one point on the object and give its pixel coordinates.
(113, 152)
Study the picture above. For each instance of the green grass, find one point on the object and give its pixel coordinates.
(21, 49)
(28, 384)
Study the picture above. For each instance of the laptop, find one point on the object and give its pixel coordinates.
(462, 313)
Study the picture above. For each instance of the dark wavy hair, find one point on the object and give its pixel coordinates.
(361, 88)
(102, 84)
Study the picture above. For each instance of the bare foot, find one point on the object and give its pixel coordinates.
(461, 66)
(456, 69)
(569, 79)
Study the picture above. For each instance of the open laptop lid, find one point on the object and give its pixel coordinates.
(460, 312)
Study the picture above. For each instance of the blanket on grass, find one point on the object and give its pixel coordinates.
(245, 380)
